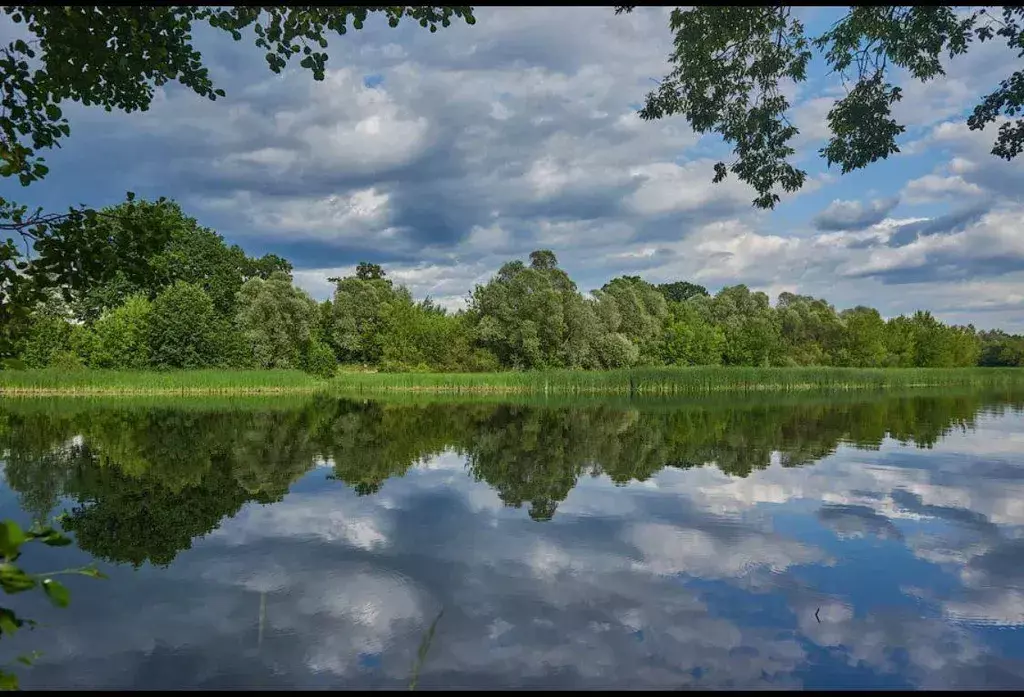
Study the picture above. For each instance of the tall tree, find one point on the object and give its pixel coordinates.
(533, 316)
(276, 321)
(679, 291)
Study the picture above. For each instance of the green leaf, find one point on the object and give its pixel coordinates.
(11, 538)
(58, 594)
(92, 573)
(14, 580)
(50, 537)
(9, 622)
(8, 681)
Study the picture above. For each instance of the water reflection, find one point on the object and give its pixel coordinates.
(866, 541)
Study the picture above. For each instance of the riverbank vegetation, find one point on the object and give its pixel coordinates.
(639, 382)
(164, 475)
(173, 295)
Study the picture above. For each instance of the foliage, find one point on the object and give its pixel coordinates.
(679, 291)
(533, 316)
(689, 339)
(185, 330)
(122, 336)
(752, 331)
(15, 580)
(318, 359)
(997, 348)
(732, 65)
(362, 311)
(527, 317)
(864, 341)
(642, 312)
(276, 321)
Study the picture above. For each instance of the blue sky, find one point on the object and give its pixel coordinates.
(442, 156)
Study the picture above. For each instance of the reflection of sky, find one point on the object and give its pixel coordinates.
(913, 560)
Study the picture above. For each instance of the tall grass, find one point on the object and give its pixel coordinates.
(635, 382)
(678, 381)
(184, 382)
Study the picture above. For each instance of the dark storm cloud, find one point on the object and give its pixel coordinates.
(840, 216)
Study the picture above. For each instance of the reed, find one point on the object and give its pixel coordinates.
(678, 381)
(649, 382)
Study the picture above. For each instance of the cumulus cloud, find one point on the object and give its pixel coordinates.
(854, 215)
(693, 578)
(442, 156)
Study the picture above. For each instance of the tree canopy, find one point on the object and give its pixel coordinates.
(732, 63)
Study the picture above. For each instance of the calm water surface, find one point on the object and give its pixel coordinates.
(854, 542)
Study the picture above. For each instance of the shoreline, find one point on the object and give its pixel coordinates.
(640, 382)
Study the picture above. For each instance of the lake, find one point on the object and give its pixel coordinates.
(860, 540)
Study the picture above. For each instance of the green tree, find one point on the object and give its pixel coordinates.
(122, 336)
(114, 57)
(690, 339)
(900, 343)
(997, 348)
(361, 312)
(753, 335)
(642, 310)
(731, 63)
(863, 339)
(185, 330)
(811, 330)
(679, 291)
(366, 271)
(529, 316)
(933, 345)
(276, 321)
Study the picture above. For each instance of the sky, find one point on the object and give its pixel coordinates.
(442, 156)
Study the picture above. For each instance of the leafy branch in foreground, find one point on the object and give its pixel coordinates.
(731, 64)
(15, 580)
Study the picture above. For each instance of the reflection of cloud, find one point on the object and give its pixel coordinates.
(669, 550)
(858, 521)
(307, 516)
(691, 579)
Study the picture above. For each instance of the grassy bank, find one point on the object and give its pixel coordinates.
(678, 381)
(183, 382)
(636, 382)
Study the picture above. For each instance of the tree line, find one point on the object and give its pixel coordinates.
(161, 477)
(174, 295)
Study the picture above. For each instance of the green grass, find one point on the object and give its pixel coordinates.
(184, 382)
(677, 381)
(652, 382)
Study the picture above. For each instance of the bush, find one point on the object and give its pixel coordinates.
(67, 361)
(185, 330)
(122, 336)
(319, 359)
(47, 336)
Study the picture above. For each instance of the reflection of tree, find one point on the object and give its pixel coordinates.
(370, 443)
(531, 455)
(147, 482)
(123, 518)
